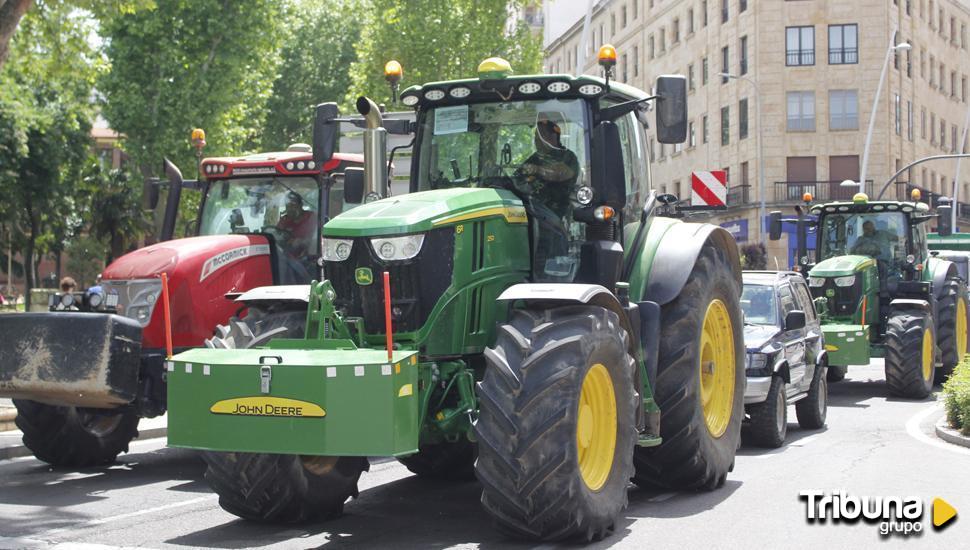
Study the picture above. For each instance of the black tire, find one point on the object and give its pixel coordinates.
(769, 419)
(691, 457)
(529, 461)
(836, 373)
(275, 487)
(949, 307)
(905, 375)
(447, 461)
(812, 410)
(69, 437)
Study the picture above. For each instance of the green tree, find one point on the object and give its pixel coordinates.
(188, 64)
(114, 210)
(437, 40)
(317, 52)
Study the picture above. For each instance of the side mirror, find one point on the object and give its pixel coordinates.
(324, 133)
(354, 185)
(172, 202)
(774, 226)
(672, 109)
(398, 126)
(795, 320)
(944, 227)
(607, 166)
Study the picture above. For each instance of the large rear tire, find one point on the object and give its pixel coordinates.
(446, 461)
(69, 437)
(556, 424)
(910, 346)
(951, 328)
(700, 381)
(274, 487)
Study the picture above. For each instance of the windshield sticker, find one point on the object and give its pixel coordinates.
(451, 120)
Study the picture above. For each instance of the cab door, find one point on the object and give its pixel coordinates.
(793, 340)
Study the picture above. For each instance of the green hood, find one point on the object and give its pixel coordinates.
(841, 266)
(425, 210)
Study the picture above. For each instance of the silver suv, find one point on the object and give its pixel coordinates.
(785, 356)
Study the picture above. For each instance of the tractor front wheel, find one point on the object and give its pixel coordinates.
(556, 423)
(447, 461)
(273, 487)
(71, 437)
(952, 327)
(700, 381)
(910, 346)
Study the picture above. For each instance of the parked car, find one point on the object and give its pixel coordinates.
(785, 356)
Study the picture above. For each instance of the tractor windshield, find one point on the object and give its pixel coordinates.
(285, 208)
(880, 235)
(537, 149)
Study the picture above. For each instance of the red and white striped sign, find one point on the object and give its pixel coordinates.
(708, 188)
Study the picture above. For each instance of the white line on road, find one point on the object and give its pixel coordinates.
(101, 521)
(805, 440)
(662, 497)
(913, 429)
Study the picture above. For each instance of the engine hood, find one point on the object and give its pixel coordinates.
(756, 336)
(203, 255)
(423, 211)
(841, 266)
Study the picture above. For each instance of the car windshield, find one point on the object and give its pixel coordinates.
(758, 304)
(879, 235)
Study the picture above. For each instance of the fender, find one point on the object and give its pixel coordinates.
(283, 293)
(901, 303)
(822, 356)
(940, 270)
(781, 369)
(678, 252)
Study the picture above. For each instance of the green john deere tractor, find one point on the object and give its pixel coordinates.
(881, 294)
(525, 315)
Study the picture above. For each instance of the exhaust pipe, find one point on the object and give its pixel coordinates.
(375, 150)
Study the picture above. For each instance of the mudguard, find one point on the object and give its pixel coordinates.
(940, 270)
(70, 358)
(595, 295)
(677, 253)
(282, 293)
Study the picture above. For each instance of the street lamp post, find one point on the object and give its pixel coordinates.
(761, 149)
(893, 47)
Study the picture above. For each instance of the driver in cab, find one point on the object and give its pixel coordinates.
(552, 169)
(299, 225)
(876, 244)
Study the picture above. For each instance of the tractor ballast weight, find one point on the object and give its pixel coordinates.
(540, 334)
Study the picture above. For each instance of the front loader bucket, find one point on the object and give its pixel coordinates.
(313, 402)
(70, 358)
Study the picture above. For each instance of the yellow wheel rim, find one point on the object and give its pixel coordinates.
(596, 427)
(961, 328)
(928, 355)
(717, 368)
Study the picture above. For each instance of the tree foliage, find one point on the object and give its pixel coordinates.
(437, 40)
(316, 55)
(188, 64)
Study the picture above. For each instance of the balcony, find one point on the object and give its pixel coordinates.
(794, 58)
(738, 195)
(844, 56)
(791, 192)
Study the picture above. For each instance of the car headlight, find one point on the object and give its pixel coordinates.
(336, 250)
(398, 248)
(816, 281)
(845, 281)
(756, 361)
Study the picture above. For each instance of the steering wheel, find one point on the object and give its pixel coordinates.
(279, 234)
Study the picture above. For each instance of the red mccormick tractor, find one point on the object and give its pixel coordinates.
(83, 374)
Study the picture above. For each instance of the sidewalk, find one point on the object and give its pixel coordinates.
(11, 444)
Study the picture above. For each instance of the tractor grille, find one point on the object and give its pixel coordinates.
(416, 284)
(846, 299)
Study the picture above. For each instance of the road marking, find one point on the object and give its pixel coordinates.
(913, 429)
(805, 440)
(101, 521)
(662, 497)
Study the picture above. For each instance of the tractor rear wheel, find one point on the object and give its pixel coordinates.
(556, 426)
(910, 346)
(700, 381)
(274, 487)
(447, 461)
(952, 327)
(71, 437)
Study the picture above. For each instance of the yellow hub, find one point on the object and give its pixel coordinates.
(961, 328)
(596, 427)
(717, 368)
(928, 354)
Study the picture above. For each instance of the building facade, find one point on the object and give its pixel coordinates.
(814, 65)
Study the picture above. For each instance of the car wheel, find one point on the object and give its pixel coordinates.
(769, 419)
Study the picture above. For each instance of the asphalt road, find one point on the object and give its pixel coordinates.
(874, 446)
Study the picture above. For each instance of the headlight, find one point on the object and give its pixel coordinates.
(140, 313)
(135, 298)
(757, 361)
(67, 300)
(845, 281)
(336, 250)
(95, 299)
(816, 281)
(398, 248)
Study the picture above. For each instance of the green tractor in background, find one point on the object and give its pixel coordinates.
(525, 315)
(879, 291)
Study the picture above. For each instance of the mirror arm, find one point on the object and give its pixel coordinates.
(616, 111)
